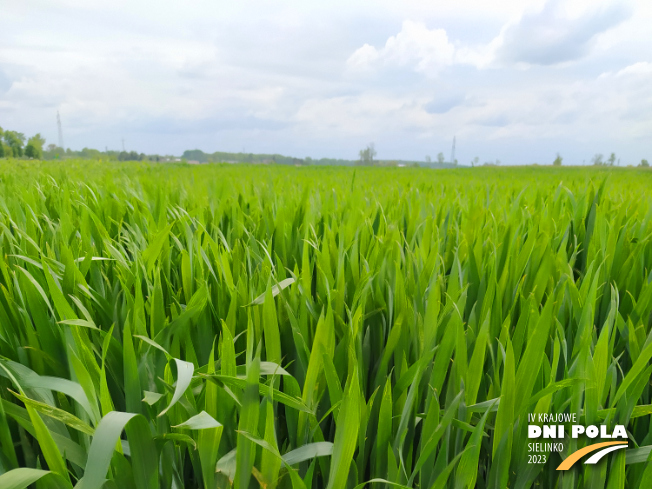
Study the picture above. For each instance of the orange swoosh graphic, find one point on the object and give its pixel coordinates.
(575, 456)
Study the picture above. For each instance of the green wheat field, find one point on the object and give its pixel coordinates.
(214, 326)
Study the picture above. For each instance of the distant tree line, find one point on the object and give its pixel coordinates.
(199, 156)
(12, 145)
(367, 157)
(54, 152)
(598, 160)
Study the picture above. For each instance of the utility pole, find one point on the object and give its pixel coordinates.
(60, 132)
(453, 152)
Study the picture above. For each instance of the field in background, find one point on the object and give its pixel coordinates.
(319, 327)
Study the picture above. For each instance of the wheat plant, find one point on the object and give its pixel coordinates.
(224, 326)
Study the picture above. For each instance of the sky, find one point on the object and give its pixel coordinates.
(516, 81)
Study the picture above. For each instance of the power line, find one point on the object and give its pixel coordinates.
(60, 132)
(453, 152)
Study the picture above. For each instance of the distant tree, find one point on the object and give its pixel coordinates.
(34, 148)
(557, 161)
(15, 141)
(475, 161)
(644, 163)
(367, 155)
(491, 163)
(612, 159)
(195, 154)
(597, 160)
(53, 152)
(38, 140)
(32, 151)
(428, 159)
(440, 158)
(130, 156)
(90, 154)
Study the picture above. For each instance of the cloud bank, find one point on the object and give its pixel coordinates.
(516, 81)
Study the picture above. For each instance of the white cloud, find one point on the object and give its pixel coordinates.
(554, 32)
(363, 58)
(353, 115)
(425, 50)
(560, 31)
(293, 78)
(640, 68)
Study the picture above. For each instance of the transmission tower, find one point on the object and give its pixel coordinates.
(453, 152)
(60, 132)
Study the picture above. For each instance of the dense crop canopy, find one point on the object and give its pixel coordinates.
(209, 326)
